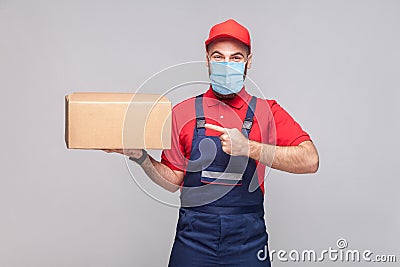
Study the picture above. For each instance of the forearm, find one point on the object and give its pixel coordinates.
(161, 174)
(295, 159)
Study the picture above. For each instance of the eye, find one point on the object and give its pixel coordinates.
(237, 58)
(217, 57)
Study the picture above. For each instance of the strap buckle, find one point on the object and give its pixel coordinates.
(200, 122)
(247, 124)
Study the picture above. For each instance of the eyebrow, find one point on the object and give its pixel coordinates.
(216, 52)
(237, 53)
(234, 54)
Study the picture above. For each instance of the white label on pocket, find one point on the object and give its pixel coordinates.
(222, 175)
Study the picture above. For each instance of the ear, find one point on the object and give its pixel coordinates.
(249, 59)
(207, 60)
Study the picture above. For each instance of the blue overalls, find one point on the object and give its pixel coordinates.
(220, 222)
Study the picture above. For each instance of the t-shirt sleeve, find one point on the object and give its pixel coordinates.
(288, 131)
(173, 158)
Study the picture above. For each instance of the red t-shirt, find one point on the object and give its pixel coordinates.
(271, 124)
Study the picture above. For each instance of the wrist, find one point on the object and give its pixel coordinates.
(254, 150)
(140, 159)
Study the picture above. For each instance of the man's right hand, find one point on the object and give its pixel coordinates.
(134, 153)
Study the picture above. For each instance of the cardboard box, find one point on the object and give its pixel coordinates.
(117, 120)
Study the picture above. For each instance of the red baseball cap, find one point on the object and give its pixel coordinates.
(229, 28)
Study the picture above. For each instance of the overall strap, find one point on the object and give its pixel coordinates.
(248, 121)
(200, 119)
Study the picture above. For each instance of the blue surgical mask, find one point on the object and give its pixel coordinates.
(227, 77)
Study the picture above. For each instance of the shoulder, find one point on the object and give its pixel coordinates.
(263, 101)
(187, 103)
(270, 104)
(184, 108)
(184, 111)
(268, 108)
(267, 104)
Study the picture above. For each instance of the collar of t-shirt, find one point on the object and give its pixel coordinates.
(237, 102)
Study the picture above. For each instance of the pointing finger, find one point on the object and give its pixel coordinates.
(216, 128)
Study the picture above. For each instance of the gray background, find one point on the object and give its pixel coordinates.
(334, 65)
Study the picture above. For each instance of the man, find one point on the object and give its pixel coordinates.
(222, 141)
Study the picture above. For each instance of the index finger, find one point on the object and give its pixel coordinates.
(216, 128)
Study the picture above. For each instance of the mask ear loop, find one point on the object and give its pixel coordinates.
(245, 69)
(209, 66)
(245, 66)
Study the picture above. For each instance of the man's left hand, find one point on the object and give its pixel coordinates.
(233, 142)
